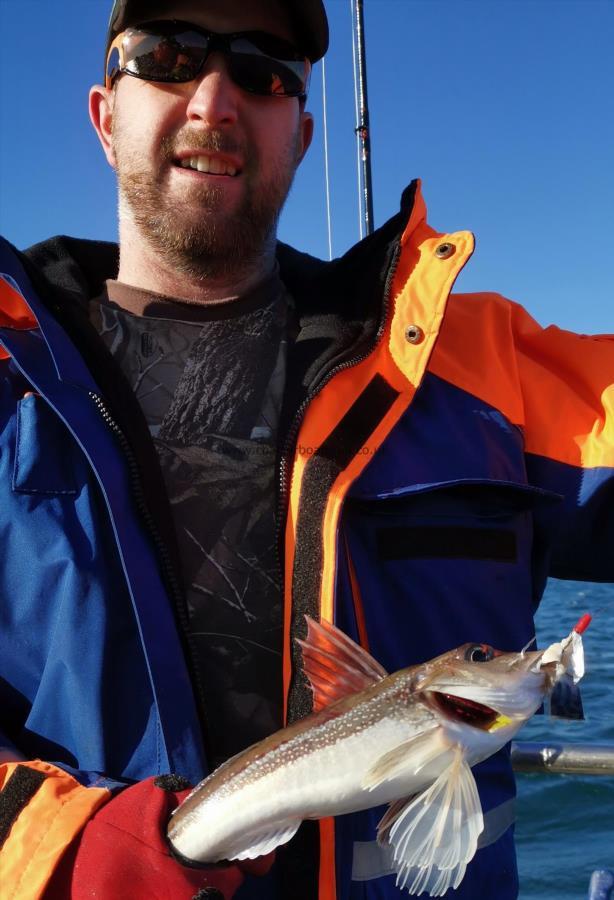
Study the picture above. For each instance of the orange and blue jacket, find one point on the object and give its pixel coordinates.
(443, 455)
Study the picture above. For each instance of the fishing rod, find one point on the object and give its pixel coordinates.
(362, 127)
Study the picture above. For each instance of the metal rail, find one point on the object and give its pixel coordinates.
(569, 759)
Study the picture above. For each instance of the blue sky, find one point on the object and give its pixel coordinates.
(502, 107)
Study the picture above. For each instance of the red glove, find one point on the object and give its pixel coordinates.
(122, 853)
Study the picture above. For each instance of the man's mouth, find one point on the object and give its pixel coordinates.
(210, 165)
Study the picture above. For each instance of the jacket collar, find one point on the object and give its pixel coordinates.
(71, 270)
(338, 304)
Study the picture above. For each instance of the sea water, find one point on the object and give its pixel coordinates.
(565, 823)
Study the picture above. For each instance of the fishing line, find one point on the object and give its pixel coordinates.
(526, 646)
(326, 172)
(604, 607)
(357, 120)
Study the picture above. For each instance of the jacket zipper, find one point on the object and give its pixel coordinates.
(296, 423)
(169, 576)
(297, 420)
(168, 572)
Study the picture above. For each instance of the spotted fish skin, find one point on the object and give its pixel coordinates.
(247, 791)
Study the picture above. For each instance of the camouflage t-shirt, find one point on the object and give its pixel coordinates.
(209, 379)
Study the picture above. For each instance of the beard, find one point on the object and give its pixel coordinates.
(196, 234)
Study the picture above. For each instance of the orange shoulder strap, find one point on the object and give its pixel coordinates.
(42, 809)
(14, 311)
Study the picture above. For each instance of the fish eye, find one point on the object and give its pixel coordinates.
(479, 653)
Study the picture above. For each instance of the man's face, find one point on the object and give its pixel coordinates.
(203, 222)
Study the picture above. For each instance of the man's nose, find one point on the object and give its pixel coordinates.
(215, 98)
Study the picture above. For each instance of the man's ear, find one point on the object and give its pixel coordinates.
(306, 127)
(101, 115)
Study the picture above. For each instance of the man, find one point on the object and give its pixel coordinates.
(212, 434)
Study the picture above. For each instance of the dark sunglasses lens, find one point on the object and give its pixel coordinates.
(260, 73)
(166, 58)
(160, 54)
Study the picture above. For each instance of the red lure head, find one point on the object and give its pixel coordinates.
(582, 623)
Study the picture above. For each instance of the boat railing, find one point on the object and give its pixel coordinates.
(558, 758)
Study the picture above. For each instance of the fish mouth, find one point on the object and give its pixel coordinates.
(467, 712)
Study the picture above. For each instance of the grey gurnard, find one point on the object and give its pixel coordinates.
(408, 739)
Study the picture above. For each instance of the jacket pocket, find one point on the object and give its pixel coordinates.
(470, 520)
(442, 564)
(44, 450)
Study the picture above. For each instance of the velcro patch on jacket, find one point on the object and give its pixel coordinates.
(447, 542)
(42, 810)
(335, 453)
(15, 796)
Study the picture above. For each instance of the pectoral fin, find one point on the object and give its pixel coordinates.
(407, 759)
(434, 834)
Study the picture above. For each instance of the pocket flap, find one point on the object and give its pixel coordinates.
(43, 452)
(485, 496)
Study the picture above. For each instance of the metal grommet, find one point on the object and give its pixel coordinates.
(444, 251)
(414, 334)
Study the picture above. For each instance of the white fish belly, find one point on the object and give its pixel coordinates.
(322, 782)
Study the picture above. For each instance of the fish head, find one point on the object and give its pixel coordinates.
(485, 690)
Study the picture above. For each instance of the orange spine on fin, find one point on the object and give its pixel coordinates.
(335, 666)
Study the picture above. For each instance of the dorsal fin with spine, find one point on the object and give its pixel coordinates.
(336, 666)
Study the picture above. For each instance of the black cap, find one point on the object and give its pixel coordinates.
(307, 17)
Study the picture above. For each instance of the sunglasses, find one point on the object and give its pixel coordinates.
(176, 52)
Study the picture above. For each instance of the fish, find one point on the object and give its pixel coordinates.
(407, 739)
